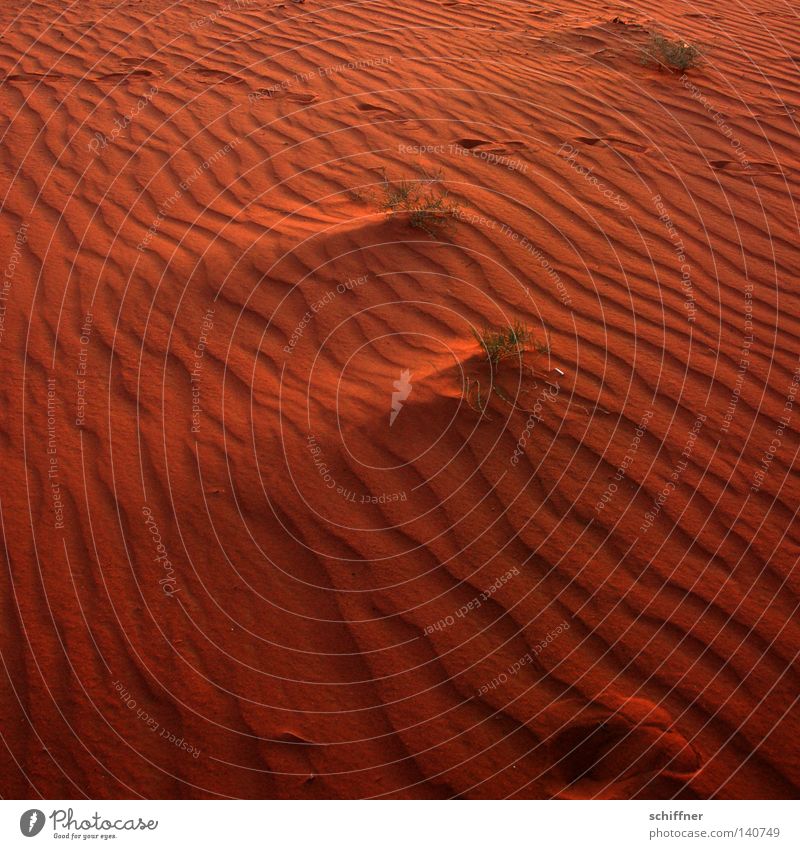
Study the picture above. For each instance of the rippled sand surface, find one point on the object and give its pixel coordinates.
(273, 525)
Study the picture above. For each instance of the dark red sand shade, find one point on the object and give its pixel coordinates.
(227, 574)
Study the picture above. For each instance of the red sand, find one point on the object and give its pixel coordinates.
(450, 605)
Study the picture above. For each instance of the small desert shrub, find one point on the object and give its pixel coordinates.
(499, 345)
(675, 54)
(427, 206)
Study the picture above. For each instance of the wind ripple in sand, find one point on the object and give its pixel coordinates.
(259, 541)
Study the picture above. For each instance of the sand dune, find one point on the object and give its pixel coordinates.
(260, 542)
